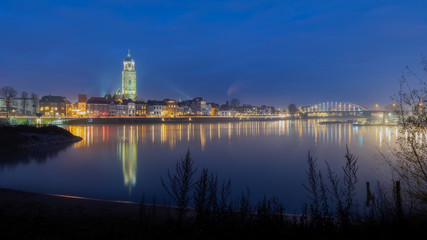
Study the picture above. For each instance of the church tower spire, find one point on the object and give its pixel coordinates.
(129, 78)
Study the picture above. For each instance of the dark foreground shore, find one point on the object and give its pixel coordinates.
(25, 215)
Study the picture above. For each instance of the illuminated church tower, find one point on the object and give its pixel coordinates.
(129, 79)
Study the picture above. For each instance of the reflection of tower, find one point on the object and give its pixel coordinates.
(129, 78)
(127, 153)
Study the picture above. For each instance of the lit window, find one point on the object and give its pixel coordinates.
(46, 108)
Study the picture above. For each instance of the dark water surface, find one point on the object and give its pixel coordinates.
(120, 162)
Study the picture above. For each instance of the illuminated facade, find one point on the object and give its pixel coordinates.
(129, 79)
(172, 108)
(54, 106)
(141, 108)
(97, 106)
(81, 104)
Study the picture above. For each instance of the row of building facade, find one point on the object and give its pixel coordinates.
(58, 106)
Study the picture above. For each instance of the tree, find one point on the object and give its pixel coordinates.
(35, 99)
(409, 155)
(181, 183)
(292, 109)
(24, 96)
(9, 94)
(235, 102)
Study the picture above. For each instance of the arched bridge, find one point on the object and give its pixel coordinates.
(333, 107)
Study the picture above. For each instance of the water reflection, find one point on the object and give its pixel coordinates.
(128, 140)
(127, 152)
(113, 161)
(12, 159)
(168, 135)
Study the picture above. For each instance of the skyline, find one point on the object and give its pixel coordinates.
(269, 53)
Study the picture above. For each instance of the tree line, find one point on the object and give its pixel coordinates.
(9, 95)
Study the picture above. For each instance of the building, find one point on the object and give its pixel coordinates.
(267, 110)
(54, 106)
(248, 110)
(81, 104)
(112, 108)
(119, 108)
(184, 110)
(97, 106)
(205, 109)
(130, 109)
(141, 108)
(214, 109)
(71, 109)
(129, 79)
(227, 113)
(198, 105)
(156, 108)
(171, 108)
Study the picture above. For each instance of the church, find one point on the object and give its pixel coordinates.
(128, 90)
(129, 78)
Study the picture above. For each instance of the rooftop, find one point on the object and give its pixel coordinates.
(50, 98)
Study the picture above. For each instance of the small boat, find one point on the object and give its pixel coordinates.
(356, 123)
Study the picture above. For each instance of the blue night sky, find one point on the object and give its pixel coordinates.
(261, 52)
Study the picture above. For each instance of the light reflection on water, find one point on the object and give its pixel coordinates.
(121, 161)
(169, 134)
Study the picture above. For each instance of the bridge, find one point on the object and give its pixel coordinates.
(337, 109)
(333, 107)
(348, 110)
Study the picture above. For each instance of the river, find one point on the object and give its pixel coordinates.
(120, 162)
